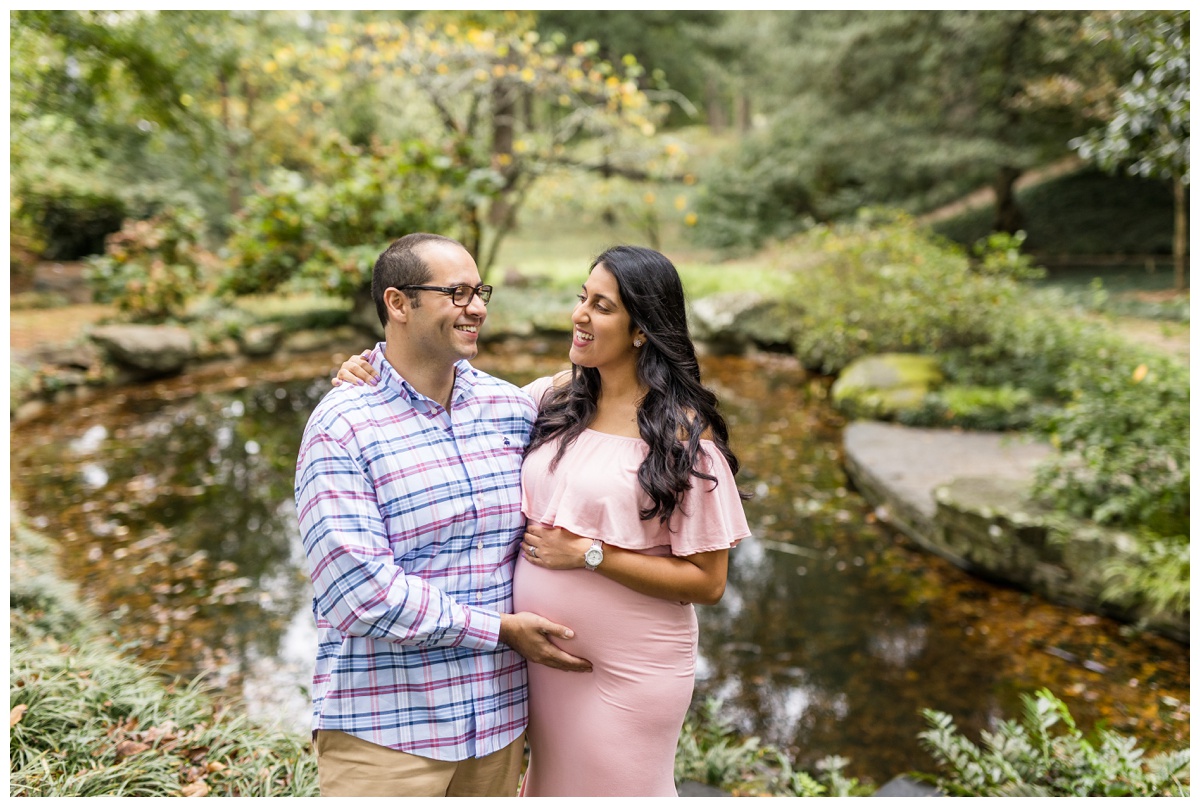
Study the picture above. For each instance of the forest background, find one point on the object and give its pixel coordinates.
(207, 165)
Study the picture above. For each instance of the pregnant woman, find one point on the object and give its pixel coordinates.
(628, 488)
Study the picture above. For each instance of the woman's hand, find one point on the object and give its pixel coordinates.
(554, 547)
(357, 370)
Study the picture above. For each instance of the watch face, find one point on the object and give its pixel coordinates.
(593, 556)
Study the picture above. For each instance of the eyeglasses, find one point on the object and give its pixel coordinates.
(461, 295)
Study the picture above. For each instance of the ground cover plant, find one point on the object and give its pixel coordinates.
(1045, 754)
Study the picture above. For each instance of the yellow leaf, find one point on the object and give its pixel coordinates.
(196, 788)
(680, 202)
(1139, 374)
(690, 219)
(14, 717)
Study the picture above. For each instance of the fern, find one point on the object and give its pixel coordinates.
(1047, 755)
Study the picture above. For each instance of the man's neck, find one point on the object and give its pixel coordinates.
(433, 380)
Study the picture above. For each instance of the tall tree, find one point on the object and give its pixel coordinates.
(913, 108)
(1147, 129)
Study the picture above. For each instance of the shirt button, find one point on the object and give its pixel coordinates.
(480, 544)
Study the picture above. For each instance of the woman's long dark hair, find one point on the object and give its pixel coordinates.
(676, 410)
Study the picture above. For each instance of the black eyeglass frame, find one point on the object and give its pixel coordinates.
(483, 290)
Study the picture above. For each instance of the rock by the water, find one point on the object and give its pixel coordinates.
(261, 340)
(881, 386)
(731, 322)
(904, 787)
(146, 351)
(699, 790)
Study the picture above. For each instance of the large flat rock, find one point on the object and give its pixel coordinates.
(901, 467)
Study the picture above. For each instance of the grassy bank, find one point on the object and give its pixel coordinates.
(87, 721)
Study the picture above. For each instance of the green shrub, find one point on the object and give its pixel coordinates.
(1033, 758)
(1124, 438)
(69, 219)
(883, 285)
(1158, 579)
(152, 267)
(711, 752)
(326, 230)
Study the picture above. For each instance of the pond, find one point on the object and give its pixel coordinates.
(173, 502)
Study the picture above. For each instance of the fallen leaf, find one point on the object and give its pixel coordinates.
(14, 717)
(197, 788)
(127, 748)
(213, 767)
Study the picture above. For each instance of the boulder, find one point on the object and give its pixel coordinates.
(732, 322)
(145, 351)
(261, 340)
(881, 386)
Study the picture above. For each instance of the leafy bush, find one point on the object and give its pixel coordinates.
(1124, 438)
(1031, 759)
(712, 753)
(70, 220)
(1158, 578)
(328, 228)
(883, 285)
(152, 267)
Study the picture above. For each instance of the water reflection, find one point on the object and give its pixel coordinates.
(175, 505)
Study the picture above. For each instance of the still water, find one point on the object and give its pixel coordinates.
(173, 502)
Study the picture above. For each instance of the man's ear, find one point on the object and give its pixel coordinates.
(398, 305)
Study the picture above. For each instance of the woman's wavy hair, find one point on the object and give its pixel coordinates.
(676, 410)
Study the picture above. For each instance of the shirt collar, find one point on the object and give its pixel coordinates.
(464, 381)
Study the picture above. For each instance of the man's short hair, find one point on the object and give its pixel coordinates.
(400, 265)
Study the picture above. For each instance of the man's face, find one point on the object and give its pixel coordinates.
(440, 330)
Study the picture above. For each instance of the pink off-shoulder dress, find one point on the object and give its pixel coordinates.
(613, 731)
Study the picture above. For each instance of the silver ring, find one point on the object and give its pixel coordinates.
(533, 551)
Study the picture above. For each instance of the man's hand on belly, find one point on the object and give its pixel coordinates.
(529, 634)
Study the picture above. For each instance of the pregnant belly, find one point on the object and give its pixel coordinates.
(610, 621)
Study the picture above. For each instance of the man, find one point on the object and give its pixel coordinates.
(409, 502)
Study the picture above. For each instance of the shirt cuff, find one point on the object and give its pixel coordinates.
(482, 631)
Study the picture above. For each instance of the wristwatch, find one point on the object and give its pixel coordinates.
(595, 554)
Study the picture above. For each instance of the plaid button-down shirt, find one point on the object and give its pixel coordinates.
(411, 520)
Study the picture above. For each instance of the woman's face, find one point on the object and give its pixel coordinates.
(604, 332)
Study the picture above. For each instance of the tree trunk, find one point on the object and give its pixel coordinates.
(1008, 216)
(504, 110)
(742, 111)
(715, 105)
(232, 189)
(1181, 237)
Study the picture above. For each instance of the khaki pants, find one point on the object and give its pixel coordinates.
(348, 766)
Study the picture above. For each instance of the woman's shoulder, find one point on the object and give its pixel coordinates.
(539, 388)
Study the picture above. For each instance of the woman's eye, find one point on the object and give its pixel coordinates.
(580, 297)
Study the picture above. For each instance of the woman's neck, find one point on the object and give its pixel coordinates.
(617, 406)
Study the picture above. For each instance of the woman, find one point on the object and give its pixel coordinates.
(628, 488)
